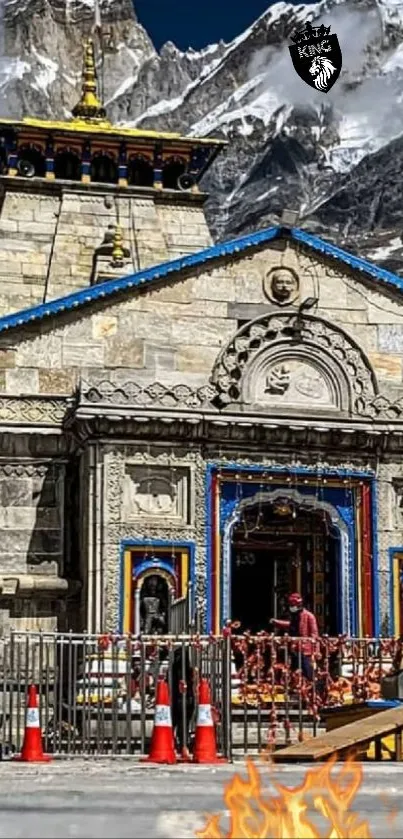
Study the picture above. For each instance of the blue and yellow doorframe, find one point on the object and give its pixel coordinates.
(395, 592)
(352, 493)
(175, 561)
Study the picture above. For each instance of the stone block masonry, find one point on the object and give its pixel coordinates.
(48, 237)
(176, 329)
(31, 518)
(27, 227)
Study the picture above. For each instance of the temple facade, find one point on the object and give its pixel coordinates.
(179, 412)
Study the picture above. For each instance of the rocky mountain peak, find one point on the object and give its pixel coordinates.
(336, 157)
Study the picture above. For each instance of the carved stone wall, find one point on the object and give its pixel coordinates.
(165, 341)
(33, 585)
(390, 526)
(156, 349)
(164, 461)
(164, 468)
(280, 361)
(31, 518)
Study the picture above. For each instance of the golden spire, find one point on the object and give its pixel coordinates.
(89, 107)
(118, 255)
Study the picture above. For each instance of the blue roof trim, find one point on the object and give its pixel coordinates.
(348, 258)
(73, 301)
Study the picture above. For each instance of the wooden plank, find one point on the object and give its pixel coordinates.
(345, 738)
(398, 745)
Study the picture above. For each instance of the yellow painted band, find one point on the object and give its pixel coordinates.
(396, 596)
(127, 591)
(184, 572)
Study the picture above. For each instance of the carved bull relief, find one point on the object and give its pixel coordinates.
(155, 493)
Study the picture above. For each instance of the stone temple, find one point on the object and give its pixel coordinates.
(180, 418)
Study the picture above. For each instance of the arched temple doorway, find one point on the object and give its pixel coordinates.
(279, 546)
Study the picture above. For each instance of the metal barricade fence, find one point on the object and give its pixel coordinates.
(97, 693)
(180, 613)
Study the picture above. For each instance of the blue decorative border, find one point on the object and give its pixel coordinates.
(349, 519)
(208, 621)
(71, 302)
(153, 544)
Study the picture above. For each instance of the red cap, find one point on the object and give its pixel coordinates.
(295, 599)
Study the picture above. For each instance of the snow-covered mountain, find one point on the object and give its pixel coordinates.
(336, 158)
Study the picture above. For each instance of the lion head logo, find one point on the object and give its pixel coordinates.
(322, 69)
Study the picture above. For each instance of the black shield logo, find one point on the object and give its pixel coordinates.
(317, 60)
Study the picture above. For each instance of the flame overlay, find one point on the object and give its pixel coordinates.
(326, 792)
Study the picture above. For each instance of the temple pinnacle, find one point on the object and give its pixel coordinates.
(89, 107)
(117, 248)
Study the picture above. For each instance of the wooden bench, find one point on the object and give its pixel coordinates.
(349, 738)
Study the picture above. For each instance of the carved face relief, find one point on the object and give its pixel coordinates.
(281, 286)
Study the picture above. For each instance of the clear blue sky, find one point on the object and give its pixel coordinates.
(195, 23)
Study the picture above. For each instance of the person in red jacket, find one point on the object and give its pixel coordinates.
(302, 624)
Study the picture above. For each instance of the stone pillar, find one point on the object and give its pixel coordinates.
(12, 158)
(122, 164)
(86, 164)
(50, 161)
(158, 166)
(137, 627)
(197, 160)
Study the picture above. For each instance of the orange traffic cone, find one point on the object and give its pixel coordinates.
(205, 750)
(162, 742)
(32, 751)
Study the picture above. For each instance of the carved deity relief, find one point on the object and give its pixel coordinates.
(263, 364)
(296, 382)
(281, 286)
(154, 493)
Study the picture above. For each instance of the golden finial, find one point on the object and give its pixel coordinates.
(118, 255)
(89, 106)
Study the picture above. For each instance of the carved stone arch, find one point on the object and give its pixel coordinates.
(277, 362)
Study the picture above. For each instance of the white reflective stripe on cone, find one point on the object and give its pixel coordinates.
(204, 717)
(162, 715)
(32, 718)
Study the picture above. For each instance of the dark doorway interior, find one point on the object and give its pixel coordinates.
(276, 551)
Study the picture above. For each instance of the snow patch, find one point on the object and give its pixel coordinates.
(45, 76)
(261, 108)
(11, 69)
(267, 193)
(386, 250)
(395, 61)
(197, 55)
(126, 84)
(391, 11)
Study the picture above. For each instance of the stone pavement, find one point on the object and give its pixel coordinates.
(120, 798)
